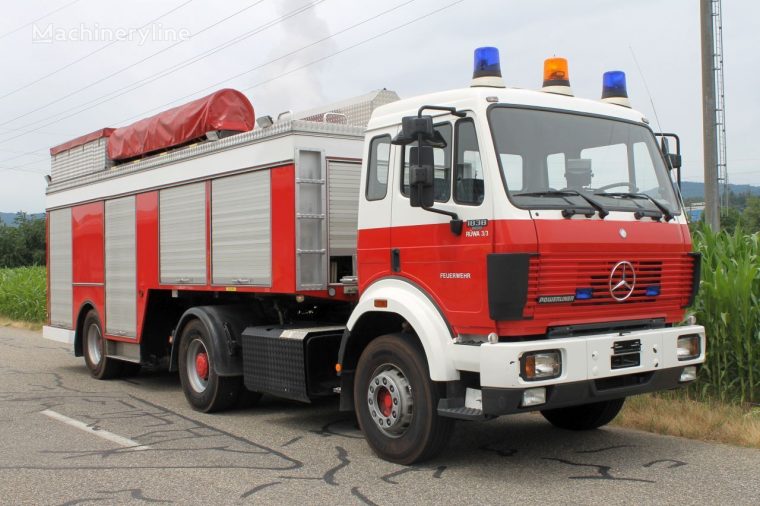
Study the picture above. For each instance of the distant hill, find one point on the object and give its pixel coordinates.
(8, 218)
(691, 189)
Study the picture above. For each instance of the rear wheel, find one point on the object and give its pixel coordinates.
(204, 389)
(100, 366)
(586, 416)
(396, 402)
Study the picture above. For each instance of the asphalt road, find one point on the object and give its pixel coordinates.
(68, 439)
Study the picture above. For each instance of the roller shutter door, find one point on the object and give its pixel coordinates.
(241, 230)
(182, 224)
(121, 277)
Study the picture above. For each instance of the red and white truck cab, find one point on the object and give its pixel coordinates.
(497, 251)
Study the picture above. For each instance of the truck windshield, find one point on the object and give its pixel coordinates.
(560, 160)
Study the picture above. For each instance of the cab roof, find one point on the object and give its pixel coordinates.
(474, 98)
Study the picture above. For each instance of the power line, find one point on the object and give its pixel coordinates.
(313, 62)
(20, 168)
(257, 67)
(140, 84)
(70, 64)
(123, 69)
(30, 23)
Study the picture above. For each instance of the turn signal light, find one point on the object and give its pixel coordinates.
(688, 347)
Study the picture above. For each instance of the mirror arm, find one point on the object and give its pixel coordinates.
(455, 223)
(452, 110)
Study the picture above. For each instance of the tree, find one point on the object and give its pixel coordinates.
(23, 243)
(751, 217)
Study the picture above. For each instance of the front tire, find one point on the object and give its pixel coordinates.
(396, 402)
(94, 346)
(204, 389)
(586, 416)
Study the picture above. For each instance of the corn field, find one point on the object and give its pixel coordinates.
(22, 294)
(728, 305)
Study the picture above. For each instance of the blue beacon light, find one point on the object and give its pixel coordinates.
(487, 68)
(614, 89)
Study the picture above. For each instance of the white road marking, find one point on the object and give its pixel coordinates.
(110, 436)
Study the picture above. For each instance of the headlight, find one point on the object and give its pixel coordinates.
(541, 365)
(688, 347)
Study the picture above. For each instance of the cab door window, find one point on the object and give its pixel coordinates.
(468, 175)
(377, 167)
(442, 166)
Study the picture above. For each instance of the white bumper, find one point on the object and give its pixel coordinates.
(585, 358)
(58, 334)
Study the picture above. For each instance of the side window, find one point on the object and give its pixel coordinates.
(468, 178)
(512, 166)
(442, 163)
(377, 167)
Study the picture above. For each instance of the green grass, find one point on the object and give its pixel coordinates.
(22, 294)
(728, 305)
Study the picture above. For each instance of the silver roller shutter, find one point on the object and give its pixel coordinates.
(182, 223)
(343, 188)
(241, 229)
(121, 276)
(60, 268)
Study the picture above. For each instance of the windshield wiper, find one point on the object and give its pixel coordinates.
(564, 193)
(666, 212)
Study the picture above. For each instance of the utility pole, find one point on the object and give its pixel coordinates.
(709, 130)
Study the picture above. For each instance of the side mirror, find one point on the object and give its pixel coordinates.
(414, 128)
(675, 160)
(421, 188)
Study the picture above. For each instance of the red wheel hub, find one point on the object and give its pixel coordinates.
(201, 365)
(384, 401)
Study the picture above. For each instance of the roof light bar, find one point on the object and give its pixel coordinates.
(557, 77)
(487, 68)
(614, 90)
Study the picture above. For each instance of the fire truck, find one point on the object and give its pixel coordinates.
(453, 256)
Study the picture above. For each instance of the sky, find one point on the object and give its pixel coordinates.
(74, 66)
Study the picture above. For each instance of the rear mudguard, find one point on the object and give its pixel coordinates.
(225, 325)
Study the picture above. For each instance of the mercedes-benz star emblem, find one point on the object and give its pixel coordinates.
(623, 233)
(622, 280)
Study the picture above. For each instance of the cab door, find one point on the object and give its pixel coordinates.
(450, 267)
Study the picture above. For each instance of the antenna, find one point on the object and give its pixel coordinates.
(646, 87)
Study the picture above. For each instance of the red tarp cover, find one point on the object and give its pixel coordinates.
(222, 110)
(105, 132)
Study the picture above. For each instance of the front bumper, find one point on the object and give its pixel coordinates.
(504, 401)
(587, 372)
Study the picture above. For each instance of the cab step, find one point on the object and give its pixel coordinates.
(462, 413)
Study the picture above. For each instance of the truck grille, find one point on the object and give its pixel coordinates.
(562, 274)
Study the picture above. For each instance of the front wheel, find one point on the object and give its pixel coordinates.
(396, 402)
(204, 389)
(586, 416)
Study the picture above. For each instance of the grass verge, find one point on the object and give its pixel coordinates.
(674, 415)
(22, 294)
(5, 322)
